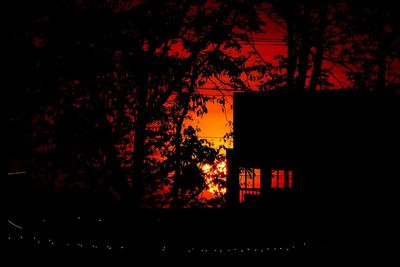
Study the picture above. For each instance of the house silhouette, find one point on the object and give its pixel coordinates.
(331, 152)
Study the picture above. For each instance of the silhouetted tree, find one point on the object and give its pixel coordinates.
(324, 38)
(59, 50)
(189, 44)
(112, 83)
(306, 31)
(369, 44)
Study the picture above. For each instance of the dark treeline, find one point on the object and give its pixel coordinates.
(359, 37)
(99, 93)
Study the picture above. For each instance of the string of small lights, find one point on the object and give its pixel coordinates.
(248, 250)
(36, 240)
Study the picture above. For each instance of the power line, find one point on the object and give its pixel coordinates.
(217, 95)
(213, 137)
(225, 89)
(218, 89)
(260, 41)
(265, 44)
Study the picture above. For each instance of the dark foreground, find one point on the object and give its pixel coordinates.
(42, 228)
(150, 234)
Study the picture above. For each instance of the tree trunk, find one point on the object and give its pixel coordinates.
(304, 49)
(179, 124)
(319, 48)
(291, 60)
(178, 142)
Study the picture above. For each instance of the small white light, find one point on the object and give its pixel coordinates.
(122, 247)
(287, 249)
(44, 220)
(67, 244)
(229, 250)
(21, 237)
(274, 248)
(255, 250)
(78, 218)
(262, 250)
(100, 220)
(9, 238)
(241, 250)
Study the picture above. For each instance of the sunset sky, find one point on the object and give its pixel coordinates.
(216, 123)
(148, 88)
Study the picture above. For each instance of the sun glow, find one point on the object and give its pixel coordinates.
(214, 174)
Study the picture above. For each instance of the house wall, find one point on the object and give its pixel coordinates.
(341, 144)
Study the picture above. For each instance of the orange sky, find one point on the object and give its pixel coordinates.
(214, 125)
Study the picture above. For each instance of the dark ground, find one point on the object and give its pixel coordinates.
(53, 230)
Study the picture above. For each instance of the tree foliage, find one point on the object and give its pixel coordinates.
(104, 90)
(325, 38)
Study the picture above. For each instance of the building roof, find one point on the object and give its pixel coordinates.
(282, 126)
